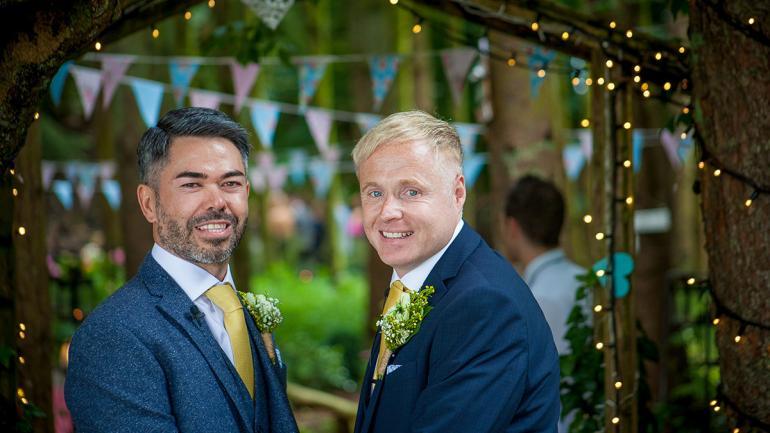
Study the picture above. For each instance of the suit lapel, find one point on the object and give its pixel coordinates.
(276, 409)
(180, 310)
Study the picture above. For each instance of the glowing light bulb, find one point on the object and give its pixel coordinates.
(615, 420)
(15, 192)
(613, 24)
(627, 163)
(535, 26)
(394, 2)
(213, 3)
(600, 273)
(37, 115)
(690, 281)
(637, 78)
(575, 81)
(599, 236)
(618, 385)
(609, 63)
(600, 81)
(585, 123)
(629, 200)
(511, 61)
(22, 231)
(187, 15)
(417, 28)
(646, 94)
(683, 135)
(589, 81)
(751, 21)
(701, 165)
(737, 338)
(627, 125)
(598, 308)
(685, 110)
(610, 86)
(541, 73)
(715, 321)
(666, 86)
(748, 202)
(599, 346)
(587, 219)
(637, 68)
(565, 36)
(717, 172)
(155, 33)
(681, 50)
(658, 55)
(629, 34)
(98, 46)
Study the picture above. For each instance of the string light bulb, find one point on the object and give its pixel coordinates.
(187, 15)
(512, 60)
(600, 81)
(627, 163)
(610, 86)
(15, 192)
(741, 331)
(629, 200)
(685, 110)
(37, 115)
(701, 165)
(751, 199)
(713, 403)
(599, 346)
(637, 68)
(213, 3)
(618, 385)
(589, 81)
(613, 24)
(599, 236)
(717, 408)
(564, 36)
(637, 78)
(155, 33)
(575, 81)
(683, 135)
(541, 73)
(666, 86)
(585, 123)
(600, 273)
(658, 55)
(751, 21)
(690, 281)
(717, 172)
(615, 420)
(535, 26)
(627, 125)
(609, 63)
(98, 46)
(22, 231)
(22, 361)
(681, 50)
(417, 27)
(629, 34)
(22, 326)
(646, 93)
(598, 308)
(587, 219)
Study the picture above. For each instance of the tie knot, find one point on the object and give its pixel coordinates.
(223, 295)
(398, 286)
(396, 290)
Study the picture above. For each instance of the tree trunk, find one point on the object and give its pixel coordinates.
(730, 88)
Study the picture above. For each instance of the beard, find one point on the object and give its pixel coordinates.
(179, 240)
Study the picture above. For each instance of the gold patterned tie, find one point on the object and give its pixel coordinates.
(223, 295)
(396, 290)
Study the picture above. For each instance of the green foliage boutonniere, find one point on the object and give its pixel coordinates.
(264, 310)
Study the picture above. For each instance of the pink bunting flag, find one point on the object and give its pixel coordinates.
(243, 80)
(671, 145)
(586, 139)
(88, 82)
(114, 67)
(205, 99)
(457, 62)
(320, 124)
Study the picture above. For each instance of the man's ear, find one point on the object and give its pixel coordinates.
(146, 196)
(459, 190)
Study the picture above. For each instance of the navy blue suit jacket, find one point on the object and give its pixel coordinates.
(145, 360)
(483, 360)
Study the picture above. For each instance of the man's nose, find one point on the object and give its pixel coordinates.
(215, 198)
(391, 209)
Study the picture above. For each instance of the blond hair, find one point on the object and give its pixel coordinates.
(410, 126)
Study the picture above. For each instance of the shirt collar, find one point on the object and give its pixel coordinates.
(193, 279)
(541, 260)
(414, 278)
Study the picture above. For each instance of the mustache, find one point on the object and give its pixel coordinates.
(211, 216)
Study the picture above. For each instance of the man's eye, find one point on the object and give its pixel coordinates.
(412, 193)
(190, 185)
(232, 184)
(375, 194)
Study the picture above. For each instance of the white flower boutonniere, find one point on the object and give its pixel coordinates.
(399, 324)
(264, 310)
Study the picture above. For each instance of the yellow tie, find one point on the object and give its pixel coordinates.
(223, 295)
(396, 290)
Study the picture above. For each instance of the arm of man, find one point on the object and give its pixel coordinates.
(480, 369)
(115, 384)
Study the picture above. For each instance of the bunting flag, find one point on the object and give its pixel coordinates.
(685, 146)
(182, 72)
(106, 169)
(48, 170)
(671, 146)
(310, 74)
(86, 175)
(297, 162)
(88, 81)
(114, 67)
(63, 191)
(271, 12)
(205, 99)
(264, 118)
(621, 272)
(637, 144)
(580, 87)
(57, 82)
(540, 59)
(457, 62)
(574, 160)
(276, 177)
(71, 170)
(321, 172)
(468, 133)
(383, 71)
(586, 139)
(257, 180)
(472, 165)
(366, 121)
(342, 214)
(320, 124)
(243, 80)
(111, 191)
(149, 95)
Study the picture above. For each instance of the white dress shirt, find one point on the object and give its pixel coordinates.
(551, 277)
(195, 281)
(414, 279)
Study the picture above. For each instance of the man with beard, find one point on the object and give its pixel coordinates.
(173, 349)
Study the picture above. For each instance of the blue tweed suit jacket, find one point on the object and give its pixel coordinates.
(483, 360)
(145, 361)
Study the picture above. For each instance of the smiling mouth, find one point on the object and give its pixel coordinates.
(213, 227)
(396, 235)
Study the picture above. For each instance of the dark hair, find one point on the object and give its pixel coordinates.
(538, 207)
(152, 152)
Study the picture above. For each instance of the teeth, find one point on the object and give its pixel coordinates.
(393, 235)
(213, 227)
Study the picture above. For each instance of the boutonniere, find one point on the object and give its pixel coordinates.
(264, 310)
(399, 324)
